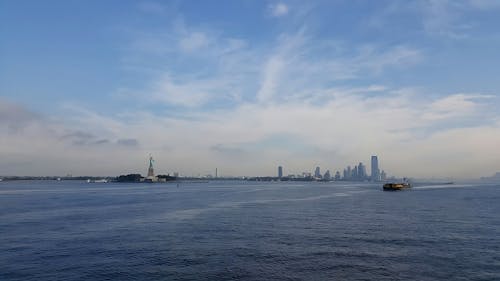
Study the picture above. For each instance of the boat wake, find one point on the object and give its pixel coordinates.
(441, 186)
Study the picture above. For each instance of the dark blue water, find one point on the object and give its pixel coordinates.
(247, 231)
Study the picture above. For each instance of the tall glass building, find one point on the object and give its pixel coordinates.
(375, 175)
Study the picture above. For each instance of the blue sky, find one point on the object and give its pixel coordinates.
(93, 87)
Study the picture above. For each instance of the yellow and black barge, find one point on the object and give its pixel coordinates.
(396, 186)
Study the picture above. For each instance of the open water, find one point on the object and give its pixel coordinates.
(247, 231)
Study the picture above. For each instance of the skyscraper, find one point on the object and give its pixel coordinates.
(327, 175)
(383, 176)
(361, 171)
(280, 172)
(317, 173)
(375, 175)
(337, 175)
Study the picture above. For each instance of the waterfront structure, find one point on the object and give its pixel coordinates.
(280, 172)
(375, 172)
(306, 175)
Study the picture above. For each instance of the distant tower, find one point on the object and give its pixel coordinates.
(317, 173)
(375, 170)
(151, 171)
(361, 171)
(280, 172)
(383, 176)
(327, 175)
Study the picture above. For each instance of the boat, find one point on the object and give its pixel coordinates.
(391, 186)
(97, 180)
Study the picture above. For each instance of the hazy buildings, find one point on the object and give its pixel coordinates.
(361, 171)
(383, 176)
(350, 173)
(358, 173)
(327, 175)
(494, 178)
(337, 175)
(317, 173)
(375, 173)
(354, 174)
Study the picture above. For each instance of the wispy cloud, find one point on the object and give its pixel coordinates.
(442, 19)
(193, 41)
(456, 105)
(278, 9)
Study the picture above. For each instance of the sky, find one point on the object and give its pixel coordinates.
(94, 87)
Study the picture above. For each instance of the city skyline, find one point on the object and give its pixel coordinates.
(92, 88)
(358, 173)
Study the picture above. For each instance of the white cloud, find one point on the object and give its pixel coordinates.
(189, 94)
(278, 9)
(294, 66)
(270, 79)
(193, 42)
(292, 70)
(455, 105)
(377, 59)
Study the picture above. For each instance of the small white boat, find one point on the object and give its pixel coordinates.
(97, 181)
